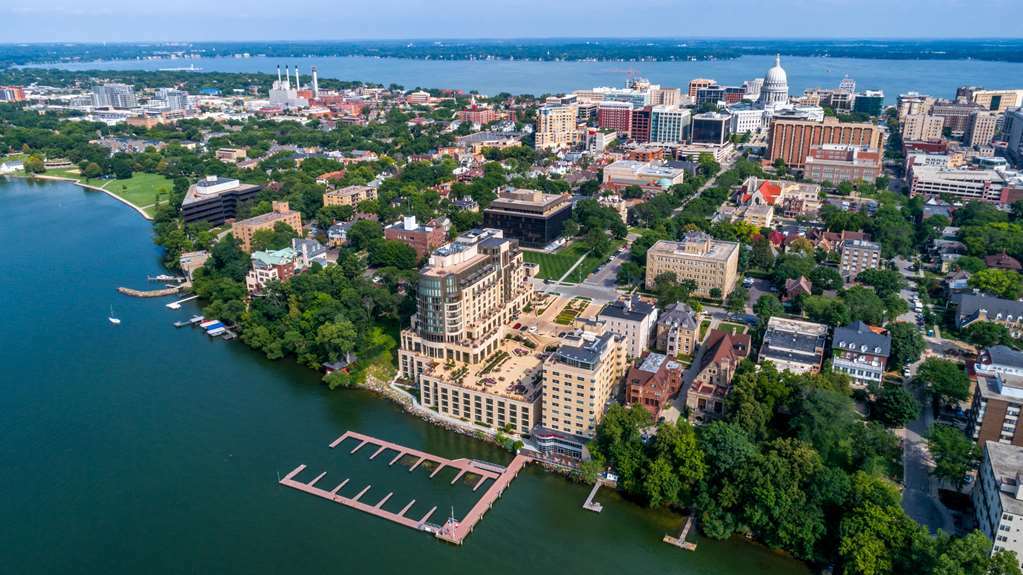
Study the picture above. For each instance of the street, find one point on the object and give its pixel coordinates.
(920, 496)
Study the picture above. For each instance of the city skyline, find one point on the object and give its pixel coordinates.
(232, 20)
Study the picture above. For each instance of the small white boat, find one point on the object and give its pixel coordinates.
(114, 320)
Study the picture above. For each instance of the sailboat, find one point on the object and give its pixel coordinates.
(113, 320)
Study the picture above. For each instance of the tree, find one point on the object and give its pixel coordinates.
(597, 242)
(864, 305)
(392, 253)
(884, 282)
(763, 254)
(971, 555)
(571, 229)
(826, 310)
(907, 344)
(954, 454)
(363, 232)
(92, 170)
(278, 238)
(944, 380)
(768, 305)
(715, 293)
(736, 302)
(619, 443)
(825, 278)
(676, 466)
(34, 165)
(894, 406)
(999, 282)
(988, 333)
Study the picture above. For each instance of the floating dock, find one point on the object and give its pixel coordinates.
(453, 531)
(680, 541)
(177, 304)
(590, 504)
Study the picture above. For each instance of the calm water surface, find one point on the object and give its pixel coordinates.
(142, 448)
(934, 77)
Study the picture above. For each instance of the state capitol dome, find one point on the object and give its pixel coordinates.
(776, 85)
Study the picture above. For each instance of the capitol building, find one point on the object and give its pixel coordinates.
(775, 90)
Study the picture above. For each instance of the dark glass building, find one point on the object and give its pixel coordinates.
(534, 218)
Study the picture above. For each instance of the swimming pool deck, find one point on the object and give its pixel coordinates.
(453, 531)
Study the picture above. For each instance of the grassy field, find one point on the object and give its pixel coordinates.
(141, 189)
(731, 328)
(704, 326)
(553, 266)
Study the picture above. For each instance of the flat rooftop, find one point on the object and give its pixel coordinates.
(515, 371)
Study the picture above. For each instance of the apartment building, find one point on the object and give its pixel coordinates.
(913, 103)
(677, 330)
(633, 319)
(723, 352)
(556, 127)
(922, 128)
(349, 196)
(580, 378)
(698, 257)
(794, 345)
(998, 396)
(856, 256)
(268, 266)
(530, 216)
(423, 238)
(837, 163)
(653, 382)
(981, 129)
(790, 140)
(861, 351)
(616, 116)
(455, 349)
(244, 230)
(1012, 130)
(998, 497)
(971, 308)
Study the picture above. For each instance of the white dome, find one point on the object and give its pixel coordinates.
(777, 75)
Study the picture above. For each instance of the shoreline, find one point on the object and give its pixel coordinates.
(79, 182)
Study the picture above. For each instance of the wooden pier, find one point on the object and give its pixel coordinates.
(680, 541)
(590, 504)
(453, 531)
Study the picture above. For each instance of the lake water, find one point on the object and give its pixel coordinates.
(142, 448)
(935, 77)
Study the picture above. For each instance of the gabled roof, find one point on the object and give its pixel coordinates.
(721, 346)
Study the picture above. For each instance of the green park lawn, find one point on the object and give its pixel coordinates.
(731, 328)
(140, 189)
(554, 265)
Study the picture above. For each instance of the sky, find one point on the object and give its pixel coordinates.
(213, 20)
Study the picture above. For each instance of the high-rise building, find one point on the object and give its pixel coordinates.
(641, 119)
(530, 216)
(981, 129)
(998, 100)
(468, 293)
(580, 378)
(791, 139)
(173, 99)
(633, 319)
(668, 124)
(858, 256)
(617, 116)
(922, 128)
(121, 96)
(711, 264)
(665, 97)
(556, 127)
(711, 128)
(776, 85)
(869, 102)
(914, 103)
(998, 496)
(956, 114)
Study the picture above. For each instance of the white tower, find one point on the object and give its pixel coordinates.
(316, 85)
(776, 85)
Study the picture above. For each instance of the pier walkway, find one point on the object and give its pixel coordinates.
(453, 531)
(680, 541)
(590, 504)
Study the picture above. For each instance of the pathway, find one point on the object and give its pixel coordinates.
(920, 495)
(575, 265)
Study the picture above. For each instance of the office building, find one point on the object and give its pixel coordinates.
(668, 124)
(215, 200)
(1012, 132)
(956, 115)
(556, 127)
(120, 96)
(580, 378)
(422, 238)
(791, 140)
(244, 230)
(857, 256)
(861, 351)
(980, 130)
(532, 217)
(349, 196)
(711, 264)
(794, 345)
(723, 352)
(913, 103)
(869, 102)
(998, 497)
(837, 163)
(747, 119)
(922, 128)
(455, 348)
(997, 100)
(711, 128)
(633, 319)
(641, 119)
(697, 83)
(653, 382)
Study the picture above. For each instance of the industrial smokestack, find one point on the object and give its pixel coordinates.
(287, 77)
(316, 85)
(278, 73)
(298, 83)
